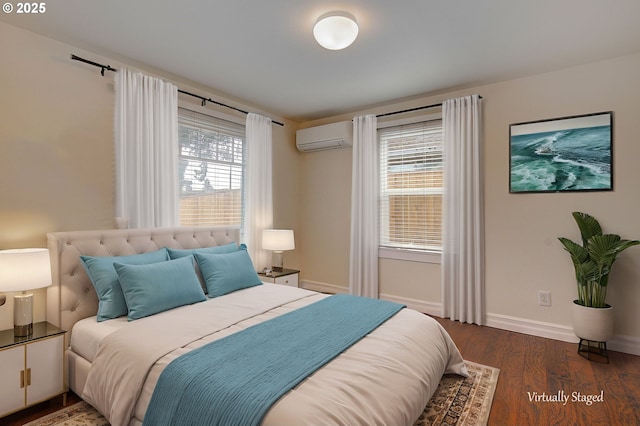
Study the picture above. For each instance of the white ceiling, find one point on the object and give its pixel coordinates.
(263, 51)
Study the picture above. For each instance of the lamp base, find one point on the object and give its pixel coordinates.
(23, 330)
(276, 261)
(23, 315)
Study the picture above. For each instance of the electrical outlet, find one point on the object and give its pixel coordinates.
(544, 298)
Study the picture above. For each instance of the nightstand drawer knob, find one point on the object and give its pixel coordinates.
(25, 378)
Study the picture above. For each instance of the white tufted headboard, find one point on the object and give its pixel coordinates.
(71, 296)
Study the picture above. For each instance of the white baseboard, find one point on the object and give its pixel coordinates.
(418, 305)
(619, 343)
(532, 327)
(323, 287)
(429, 308)
(626, 344)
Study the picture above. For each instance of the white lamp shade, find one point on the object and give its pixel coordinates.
(24, 269)
(335, 30)
(278, 239)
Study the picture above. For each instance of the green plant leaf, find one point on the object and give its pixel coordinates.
(604, 249)
(577, 252)
(594, 259)
(588, 226)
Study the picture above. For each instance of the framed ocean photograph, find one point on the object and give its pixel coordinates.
(562, 154)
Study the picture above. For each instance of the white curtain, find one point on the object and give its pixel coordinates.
(463, 234)
(363, 267)
(258, 208)
(146, 150)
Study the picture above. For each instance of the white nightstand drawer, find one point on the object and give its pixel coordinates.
(290, 280)
(285, 277)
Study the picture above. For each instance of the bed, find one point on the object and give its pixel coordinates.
(385, 378)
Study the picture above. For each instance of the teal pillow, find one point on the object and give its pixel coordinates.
(227, 248)
(157, 287)
(228, 272)
(178, 253)
(111, 303)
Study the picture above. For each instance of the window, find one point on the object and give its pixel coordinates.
(411, 184)
(211, 166)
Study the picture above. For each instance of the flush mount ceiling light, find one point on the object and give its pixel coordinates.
(335, 30)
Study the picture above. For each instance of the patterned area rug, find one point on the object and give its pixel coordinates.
(462, 401)
(457, 401)
(78, 414)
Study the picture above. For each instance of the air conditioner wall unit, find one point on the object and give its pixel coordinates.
(327, 136)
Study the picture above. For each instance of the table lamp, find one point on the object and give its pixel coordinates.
(277, 240)
(23, 270)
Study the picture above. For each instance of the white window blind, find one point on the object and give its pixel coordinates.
(211, 168)
(411, 183)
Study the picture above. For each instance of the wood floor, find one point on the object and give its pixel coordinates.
(531, 364)
(528, 365)
(37, 411)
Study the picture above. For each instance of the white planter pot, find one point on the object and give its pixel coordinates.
(595, 324)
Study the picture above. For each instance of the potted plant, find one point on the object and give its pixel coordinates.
(592, 316)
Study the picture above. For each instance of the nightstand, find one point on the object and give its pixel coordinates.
(286, 277)
(31, 368)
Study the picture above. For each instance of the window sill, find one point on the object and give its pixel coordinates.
(409, 255)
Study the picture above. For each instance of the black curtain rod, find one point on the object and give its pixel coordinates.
(95, 64)
(412, 109)
(202, 98)
(205, 100)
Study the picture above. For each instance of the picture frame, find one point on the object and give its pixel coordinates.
(567, 154)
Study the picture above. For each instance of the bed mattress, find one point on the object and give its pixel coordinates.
(386, 378)
(88, 333)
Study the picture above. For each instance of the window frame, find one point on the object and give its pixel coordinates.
(407, 254)
(216, 115)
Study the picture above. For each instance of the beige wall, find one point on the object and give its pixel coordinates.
(522, 251)
(56, 171)
(56, 142)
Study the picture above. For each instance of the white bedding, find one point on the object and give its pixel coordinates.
(385, 379)
(88, 333)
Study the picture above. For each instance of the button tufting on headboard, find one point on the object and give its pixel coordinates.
(71, 297)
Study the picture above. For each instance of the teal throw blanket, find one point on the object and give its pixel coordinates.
(235, 380)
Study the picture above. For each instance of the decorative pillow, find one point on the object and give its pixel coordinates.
(226, 273)
(157, 287)
(111, 303)
(227, 248)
